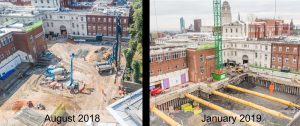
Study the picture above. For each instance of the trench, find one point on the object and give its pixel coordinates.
(283, 91)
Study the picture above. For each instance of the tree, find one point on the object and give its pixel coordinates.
(136, 71)
(128, 56)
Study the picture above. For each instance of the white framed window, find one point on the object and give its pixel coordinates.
(287, 49)
(279, 59)
(273, 58)
(294, 60)
(280, 49)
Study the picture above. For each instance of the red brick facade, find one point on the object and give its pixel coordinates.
(167, 62)
(105, 25)
(31, 42)
(200, 64)
(21, 2)
(285, 55)
(268, 28)
(8, 47)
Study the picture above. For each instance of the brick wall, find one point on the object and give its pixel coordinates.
(106, 25)
(200, 64)
(288, 53)
(7, 49)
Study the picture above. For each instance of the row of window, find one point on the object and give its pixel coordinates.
(104, 28)
(93, 19)
(160, 71)
(231, 30)
(246, 46)
(42, 1)
(287, 49)
(286, 59)
(8, 52)
(5, 41)
(167, 56)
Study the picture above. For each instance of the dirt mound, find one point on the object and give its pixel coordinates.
(16, 106)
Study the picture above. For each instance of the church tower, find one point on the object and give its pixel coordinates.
(226, 13)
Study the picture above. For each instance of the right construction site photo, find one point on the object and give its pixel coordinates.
(224, 63)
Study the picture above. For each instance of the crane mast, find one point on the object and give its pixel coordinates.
(217, 32)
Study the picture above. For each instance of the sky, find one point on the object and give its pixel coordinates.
(165, 14)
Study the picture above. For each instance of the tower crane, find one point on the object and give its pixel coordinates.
(217, 32)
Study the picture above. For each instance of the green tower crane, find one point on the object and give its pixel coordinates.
(217, 32)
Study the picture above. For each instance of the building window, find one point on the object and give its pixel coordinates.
(266, 56)
(109, 19)
(235, 53)
(231, 30)
(151, 72)
(266, 48)
(274, 48)
(236, 30)
(77, 26)
(99, 27)
(176, 67)
(61, 17)
(280, 49)
(201, 58)
(51, 24)
(160, 71)
(114, 20)
(294, 60)
(286, 60)
(201, 69)
(279, 59)
(183, 65)
(99, 19)
(47, 24)
(81, 18)
(89, 19)
(42, 1)
(125, 20)
(82, 27)
(50, 16)
(47, 1)
(94, 27)
(287, 49)
(273, 58)
(93, 19)
(226, 30)
(104, 20)
(73, 25)
(255, 55)
(295, 49)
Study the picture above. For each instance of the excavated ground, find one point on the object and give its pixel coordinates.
(104, 88)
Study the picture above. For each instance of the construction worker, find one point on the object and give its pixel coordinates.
(271, 88)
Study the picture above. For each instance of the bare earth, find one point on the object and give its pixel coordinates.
(104, 89)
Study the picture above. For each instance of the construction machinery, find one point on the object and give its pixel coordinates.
(114, 58)
(73, 86)
(217, 32)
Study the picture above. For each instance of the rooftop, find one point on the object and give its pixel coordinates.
(206, 46)
(128, 110)
(11, 26)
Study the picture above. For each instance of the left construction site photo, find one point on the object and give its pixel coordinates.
(71, 63)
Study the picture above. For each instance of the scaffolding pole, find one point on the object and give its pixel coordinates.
(164, 117)
(261, 108)
(220, 109)
(285, 102)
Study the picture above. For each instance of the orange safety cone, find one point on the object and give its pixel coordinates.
(271, 88)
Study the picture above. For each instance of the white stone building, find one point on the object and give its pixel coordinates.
(247, 52)
(237, 29)
(64, 23)
(226, 13)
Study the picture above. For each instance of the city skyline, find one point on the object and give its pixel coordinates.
(167, 15)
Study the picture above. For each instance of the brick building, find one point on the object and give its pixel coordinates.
(168, 67)
(268, 28)
(21, 2)
(20, 43)
(174, 66)
(200, 64)
(105, 24)
(285, 56)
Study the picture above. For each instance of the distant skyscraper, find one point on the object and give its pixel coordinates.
(182, 25)
(226, 13)
(197, 25)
